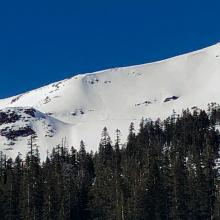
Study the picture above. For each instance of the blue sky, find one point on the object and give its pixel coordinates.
(45, 41)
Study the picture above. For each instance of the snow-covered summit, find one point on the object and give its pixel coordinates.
(81, 106)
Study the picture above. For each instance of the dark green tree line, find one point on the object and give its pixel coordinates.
(165, 170)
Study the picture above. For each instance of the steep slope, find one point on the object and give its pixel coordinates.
(84, 104)
(19, 124)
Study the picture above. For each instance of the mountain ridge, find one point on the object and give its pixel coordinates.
(118, 96)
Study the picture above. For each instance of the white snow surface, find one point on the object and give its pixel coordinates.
(79, 108)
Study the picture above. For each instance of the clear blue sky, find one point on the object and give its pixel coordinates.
(44, 41)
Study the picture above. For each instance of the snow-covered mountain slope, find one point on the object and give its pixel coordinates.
(19, 124)
(79, 107)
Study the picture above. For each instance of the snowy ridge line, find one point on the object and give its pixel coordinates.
(79, 107)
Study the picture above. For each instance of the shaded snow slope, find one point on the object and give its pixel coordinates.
(18, 124)
(81, 106)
